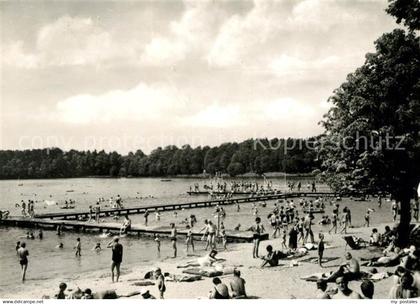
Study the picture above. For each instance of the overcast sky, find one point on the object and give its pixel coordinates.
(127, 75)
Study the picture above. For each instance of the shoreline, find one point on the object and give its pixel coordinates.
(273, 282)
(180, 176)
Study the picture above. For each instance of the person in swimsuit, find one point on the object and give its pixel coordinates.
(160, 282)
(258, 230)
(23, 254)
(189, 241)
(157, 241)
(78, 248)
(212, 234)
(205, 230)
(220, 290)
(173, 238)
(237, 285)
(117, 254)
(349, 270)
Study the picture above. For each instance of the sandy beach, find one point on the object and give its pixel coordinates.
(283, 281)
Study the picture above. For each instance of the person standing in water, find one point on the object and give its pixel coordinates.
(173, 238)
(117, 255)
(23, 254)
(157, 241)
(78, 248)
(146, 217)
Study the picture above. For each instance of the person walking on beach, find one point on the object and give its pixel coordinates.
(257, 229)
(173, 238)
(23, 254)
(78, 248)
(333, 223)
(117, 255)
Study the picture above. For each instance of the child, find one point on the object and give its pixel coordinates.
(321, 247)
(160, 282)
(189, 241)
(157, 241)
(283, 234)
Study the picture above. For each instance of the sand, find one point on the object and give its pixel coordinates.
(276, 282)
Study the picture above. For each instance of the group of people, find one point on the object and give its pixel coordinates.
(27, 209)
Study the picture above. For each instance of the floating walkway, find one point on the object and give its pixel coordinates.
(114, 228)
(83, 215)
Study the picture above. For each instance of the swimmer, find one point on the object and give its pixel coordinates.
(60, 246)
(97, 248)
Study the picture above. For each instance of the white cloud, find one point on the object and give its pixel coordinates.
(70, 41)
(286, 65)
(14, 55)
(287, 108)
(239, 36)
(216, 116)
(142, 104)
(191, 34)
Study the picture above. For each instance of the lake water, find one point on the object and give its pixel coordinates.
(46, 261)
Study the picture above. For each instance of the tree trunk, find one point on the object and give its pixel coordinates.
(405, 217)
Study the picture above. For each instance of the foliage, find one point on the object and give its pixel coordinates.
(233, 158)
(372, 133)
(407, 11)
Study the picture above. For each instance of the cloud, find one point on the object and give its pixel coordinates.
(216, 116)
(142, 104)
(14, 55)
(70, 41)
(191, 34)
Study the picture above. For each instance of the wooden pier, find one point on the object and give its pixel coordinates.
(114, 228)
(83, 215)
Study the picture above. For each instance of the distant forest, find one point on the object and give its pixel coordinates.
(257, 156)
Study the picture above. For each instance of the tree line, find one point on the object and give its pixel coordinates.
(257, 156)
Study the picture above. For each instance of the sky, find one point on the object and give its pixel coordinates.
(130, 75)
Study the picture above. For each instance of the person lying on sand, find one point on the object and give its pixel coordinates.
(391, 259)
(205, 261)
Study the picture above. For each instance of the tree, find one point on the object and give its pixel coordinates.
(372, 132)
(407, 11)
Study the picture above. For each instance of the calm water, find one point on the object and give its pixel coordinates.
(46, 261)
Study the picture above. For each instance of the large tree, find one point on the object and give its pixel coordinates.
(371, 142)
